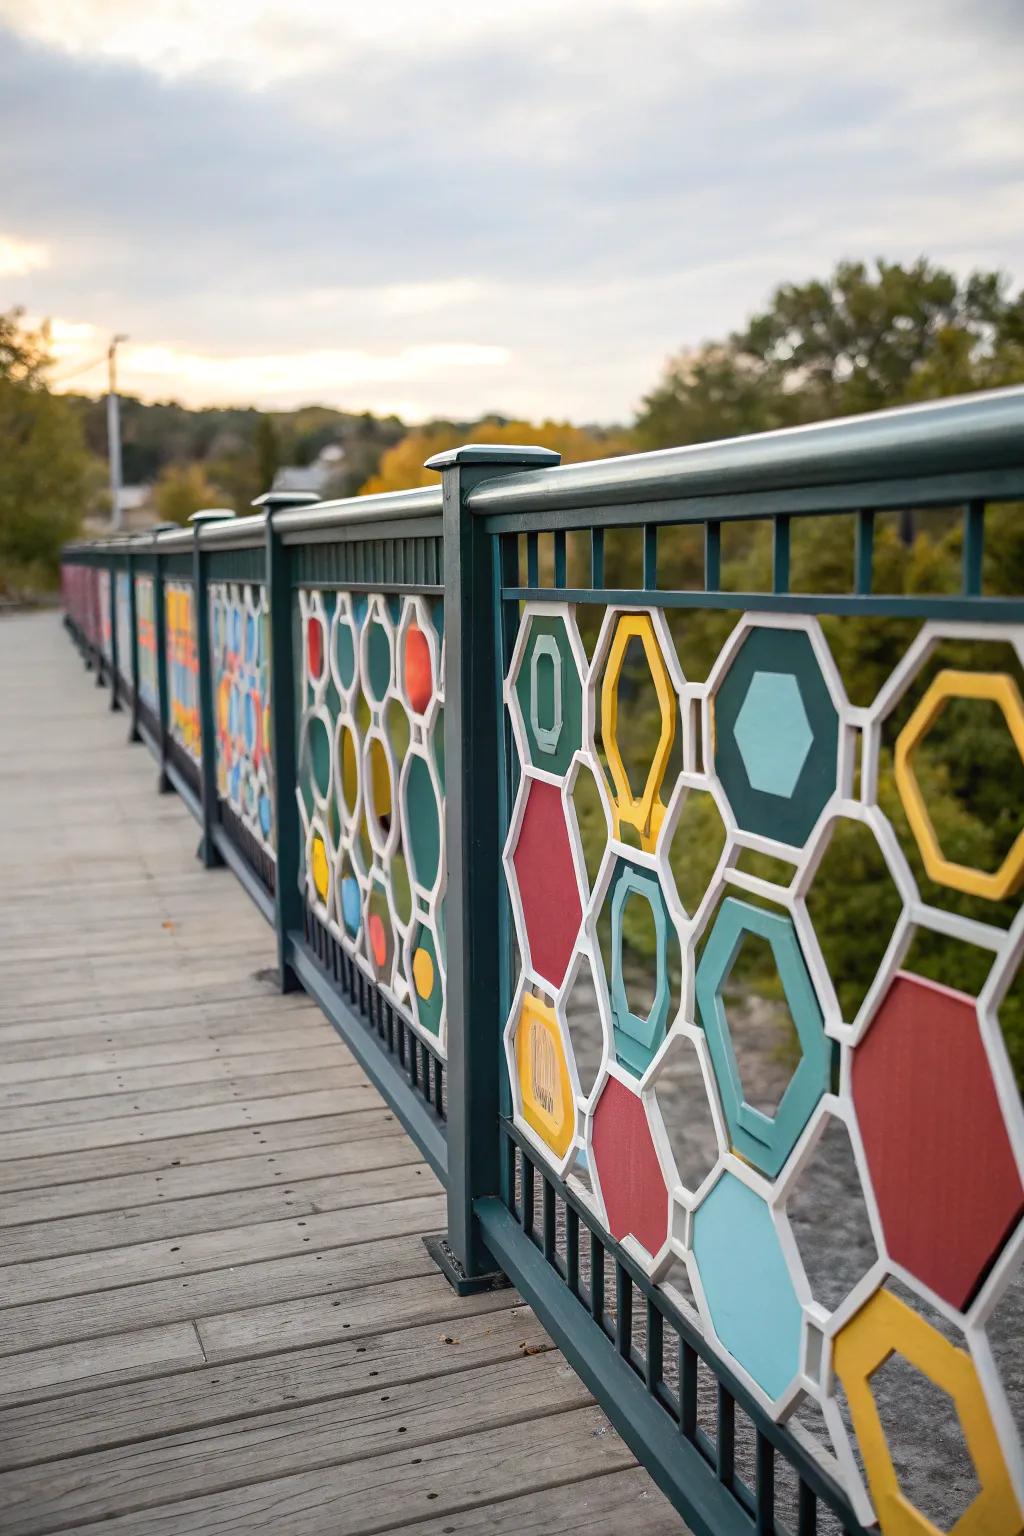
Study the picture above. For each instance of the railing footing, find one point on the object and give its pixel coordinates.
(461, 1283)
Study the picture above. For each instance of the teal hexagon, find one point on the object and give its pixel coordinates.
(747, 1284)
(549, 692)
(773, 733)
(637, 1037)
(764, 1140)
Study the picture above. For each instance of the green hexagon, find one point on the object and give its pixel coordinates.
(776, 735)
(549, 692)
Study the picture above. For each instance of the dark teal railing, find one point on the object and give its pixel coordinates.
(608, 813)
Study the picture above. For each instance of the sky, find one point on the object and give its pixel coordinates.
(447, 209)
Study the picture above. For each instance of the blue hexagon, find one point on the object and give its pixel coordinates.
(773, 733)
(747, 1284)
(764, 1140)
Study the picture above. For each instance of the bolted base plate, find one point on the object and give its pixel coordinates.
(461, 1283)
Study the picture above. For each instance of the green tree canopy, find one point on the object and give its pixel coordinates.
(46, 474)
(859, 340)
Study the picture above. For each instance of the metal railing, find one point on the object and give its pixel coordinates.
(387, 715)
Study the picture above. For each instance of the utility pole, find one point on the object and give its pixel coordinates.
(114, 434)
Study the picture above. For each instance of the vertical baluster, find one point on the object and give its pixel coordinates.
(572, 1250)
(864, 553)
(596, 1278)
(689, 1368)
(765, 1470)
(712, 555)
(623, 1311)
(560, 568)
(650, 557)
(597, 558)
(780, 553)
(548, 1193)
(655, 1364)
(725, 1446)
(974, 548)
(807, 1511)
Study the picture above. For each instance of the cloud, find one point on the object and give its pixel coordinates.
(19, 257)
(583, 188)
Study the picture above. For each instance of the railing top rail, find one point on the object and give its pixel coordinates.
(971, 432)
(387, 507)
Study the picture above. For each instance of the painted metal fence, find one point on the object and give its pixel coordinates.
(527, 770)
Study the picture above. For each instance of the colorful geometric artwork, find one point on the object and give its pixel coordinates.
(123, 620)
(105, 621)
(997, 689)
(747, 1284)
(370, 788)
(240, 674)
(145, 623)
(542, 1075)
(689, 1158)
(776, 734)
(886, 1326)
(182, 668)
(938, 1153)
(764, 1140)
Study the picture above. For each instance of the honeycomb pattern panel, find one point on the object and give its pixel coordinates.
(686, 1163)
(370, 789)
(240, 672)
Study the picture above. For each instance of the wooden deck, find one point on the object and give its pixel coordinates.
(216, 1311)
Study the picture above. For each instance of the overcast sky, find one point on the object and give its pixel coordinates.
(518, 205)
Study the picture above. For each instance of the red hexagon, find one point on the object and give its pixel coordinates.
(546, 878)
(941, 1165)
(632, 1183)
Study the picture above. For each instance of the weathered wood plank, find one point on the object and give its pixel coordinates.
(607, 1505)
(380, 1493)
(211, 1088)
(50, 1279)
(167, 1300)
(381, 1327)
(277, 1201)
(42, 1075)
(57, 1370)
(386, 1147)
(48, 1169)
(332, 1433)
(130, 1129)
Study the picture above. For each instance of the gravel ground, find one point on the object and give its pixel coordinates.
(832, 1231)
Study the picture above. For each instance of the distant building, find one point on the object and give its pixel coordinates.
(315, 477)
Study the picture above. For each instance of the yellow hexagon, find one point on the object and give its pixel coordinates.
(548, 1104)
(999, 689)
(644, 813)
(886, 1326)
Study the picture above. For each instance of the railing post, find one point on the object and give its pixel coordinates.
(473, 833)
(207, 850)
(287, 895)
(133, 641)
(115, 702)
(163, 783)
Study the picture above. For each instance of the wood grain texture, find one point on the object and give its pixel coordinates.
(216, 1310)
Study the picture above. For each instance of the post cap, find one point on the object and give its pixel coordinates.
(212, 515)
(275, 501)
(505, 455)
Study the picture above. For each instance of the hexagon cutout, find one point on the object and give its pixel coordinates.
(764, 1140)
(542, 880)
(641, 1007)
(887, 1326)
(692, 1133)
(625, 1160)
(939, 1157)
(747, 1285)
(775, 732)
(1001, 690)
(641, 812)
(548, 689)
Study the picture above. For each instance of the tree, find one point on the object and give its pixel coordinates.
(181, 490)
(268, 452)
(46, 474)
(858, 340)
(401, 467)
